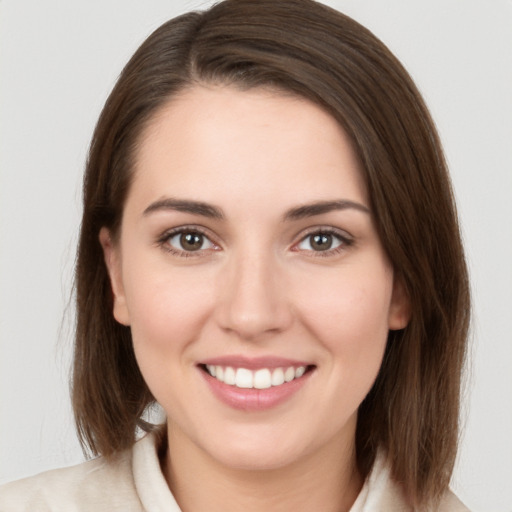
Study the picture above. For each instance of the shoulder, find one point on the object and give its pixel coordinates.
(450, 503)
(394, 500)
(87, 486)
(384, 494)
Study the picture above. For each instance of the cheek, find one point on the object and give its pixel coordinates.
(348, 314)
(167, 312)
(167, 309)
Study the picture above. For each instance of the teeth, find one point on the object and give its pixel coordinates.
(243, 378)
(262, 379)
(277, 377)
(229, 376)
(299, 372)
(289, 374)
(259, 379)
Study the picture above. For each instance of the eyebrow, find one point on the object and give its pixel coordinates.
(214, 212)
(320, 207)
(187, 206)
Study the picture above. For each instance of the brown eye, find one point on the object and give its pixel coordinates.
(189, 241)
(323, 241)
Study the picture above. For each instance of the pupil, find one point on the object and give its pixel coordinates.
(321, 242)
(191, 241)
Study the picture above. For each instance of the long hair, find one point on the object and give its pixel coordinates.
(307, 49)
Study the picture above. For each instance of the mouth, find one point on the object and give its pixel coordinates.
(256, 384)
(261, 378)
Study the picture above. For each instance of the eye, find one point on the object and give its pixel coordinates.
(187, 241)
(323, 241)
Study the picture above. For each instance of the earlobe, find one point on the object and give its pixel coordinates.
(112, 257)
(400, 308)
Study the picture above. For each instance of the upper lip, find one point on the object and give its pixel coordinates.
(254, 363)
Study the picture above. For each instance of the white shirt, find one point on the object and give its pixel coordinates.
(133, 482)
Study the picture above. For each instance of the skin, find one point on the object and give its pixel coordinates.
(256, 287)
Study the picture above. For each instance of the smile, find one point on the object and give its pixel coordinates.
(262, 378)
(255, 384)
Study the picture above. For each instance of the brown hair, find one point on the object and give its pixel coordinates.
(304, 48)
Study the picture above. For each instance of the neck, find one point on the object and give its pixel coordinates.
(327, 480)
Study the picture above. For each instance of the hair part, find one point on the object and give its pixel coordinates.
(302, 48)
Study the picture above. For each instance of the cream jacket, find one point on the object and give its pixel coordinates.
(133, 482)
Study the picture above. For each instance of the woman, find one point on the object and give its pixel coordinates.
(270, 250)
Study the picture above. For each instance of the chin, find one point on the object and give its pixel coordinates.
(255, 453)
(256, 460)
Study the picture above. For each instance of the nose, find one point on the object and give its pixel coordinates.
(253, 301)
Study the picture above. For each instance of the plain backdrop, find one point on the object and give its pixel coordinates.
(59, 60)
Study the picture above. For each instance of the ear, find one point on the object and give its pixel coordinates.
(112, 256)
(400, 307)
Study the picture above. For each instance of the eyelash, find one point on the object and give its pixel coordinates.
(344, 238)
(163, 241)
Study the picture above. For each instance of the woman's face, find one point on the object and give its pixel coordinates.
(250, 272)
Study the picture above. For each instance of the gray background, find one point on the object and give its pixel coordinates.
(59, 59)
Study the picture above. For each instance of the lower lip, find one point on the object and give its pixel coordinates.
(254, 399)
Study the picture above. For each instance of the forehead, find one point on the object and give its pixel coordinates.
(208, 143)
